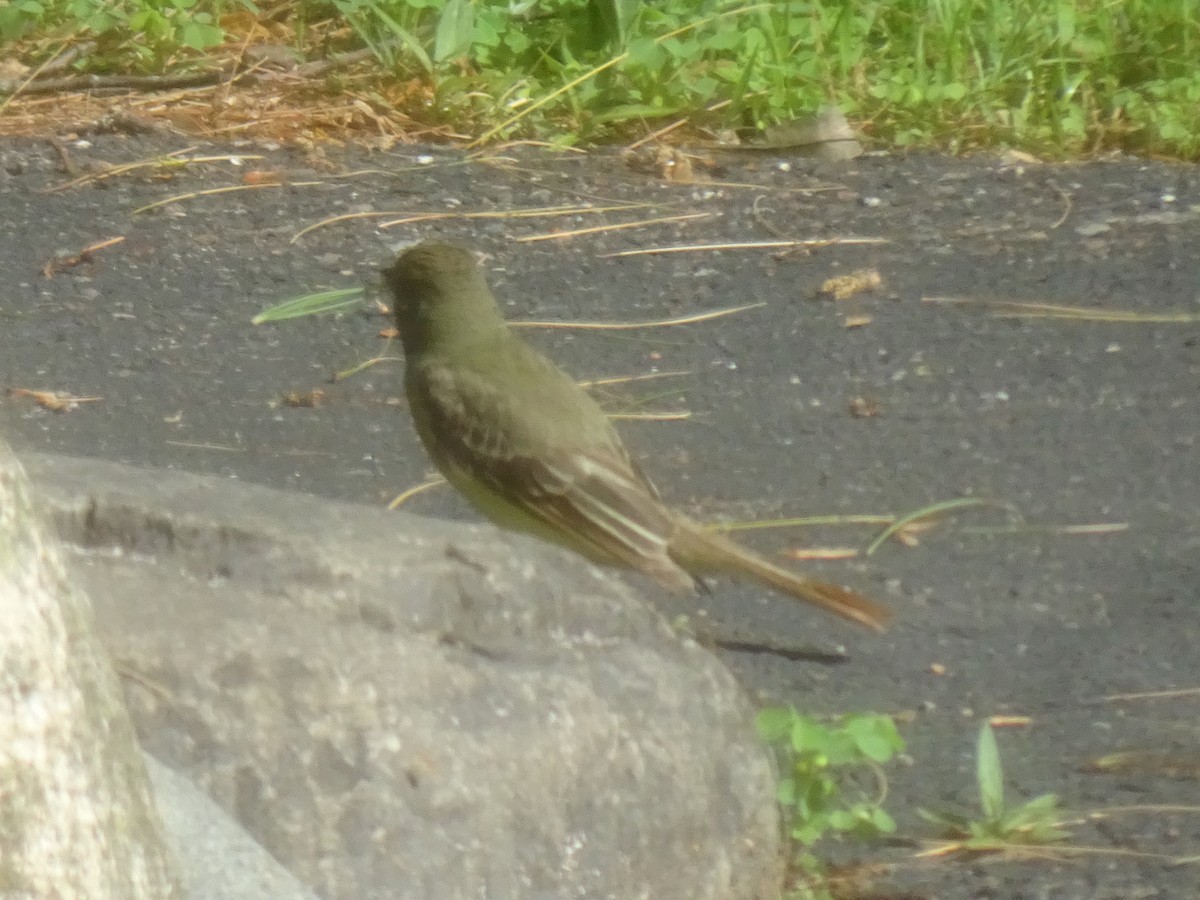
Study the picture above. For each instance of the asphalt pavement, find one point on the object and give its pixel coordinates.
(1059, 393)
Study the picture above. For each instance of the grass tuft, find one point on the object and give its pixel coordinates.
(1060, 78)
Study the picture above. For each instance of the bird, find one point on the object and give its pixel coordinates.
(533, 451)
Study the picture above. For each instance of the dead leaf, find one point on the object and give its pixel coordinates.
(865, 407)
(303, 399)
(842, 287)
(669, 163)
(258, 176)
(86, 255)
(1010, 721)
(50, 400)
(910, 534)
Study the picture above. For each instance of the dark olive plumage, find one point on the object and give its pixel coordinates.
(533, 451)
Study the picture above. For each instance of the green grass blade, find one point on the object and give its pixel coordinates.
(989, 775)
(310, 305)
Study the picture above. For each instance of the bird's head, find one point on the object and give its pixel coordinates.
(438, 291)
(427, 268)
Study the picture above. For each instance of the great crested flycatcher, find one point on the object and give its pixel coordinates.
(533, 451)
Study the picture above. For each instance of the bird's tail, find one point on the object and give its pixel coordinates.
(702, 552)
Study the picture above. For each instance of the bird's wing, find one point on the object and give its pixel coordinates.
(571, 474)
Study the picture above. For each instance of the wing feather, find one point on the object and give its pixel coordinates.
(564, 467)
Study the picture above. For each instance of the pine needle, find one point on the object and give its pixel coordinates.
(405, 496)
(746, 245)
(630, 326)
(1012, 309)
